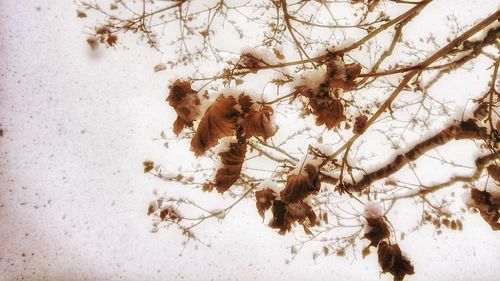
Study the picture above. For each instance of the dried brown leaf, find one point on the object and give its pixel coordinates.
(494, 172)
(111, 40)
(299, 187)
(186, 104)
(81, 14)
(264, 200)
(329, 111)
(92, 42)
(258, 123)
(148, 166)
(360, 124)
(285, 215)
(392, 260)
(220, 120)
(340, 75)
(378, 230)
(488, 205)
(232, 161)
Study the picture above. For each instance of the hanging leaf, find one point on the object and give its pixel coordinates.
(302, 213)
(488, 205)
(285, 215)
(299, 187)
(169, 214)
(153, 206)
(378, 230)
(148, 166)
(81, 14)
(186, 104)
(159, 67)
(232, 161)
(329, 111)
(341, 76)
(360, 124)
(220, 120)
(246, 103)
(278, 221)
(264, 200)
(258, 123)
(494, 172)
(392, 260)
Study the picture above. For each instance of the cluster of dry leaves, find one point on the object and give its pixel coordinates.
(240, 117)
(288, 206)
(102, 35)
(325, 101)
(243, 118)
(227, 116)
(488, 205)
(389, 255)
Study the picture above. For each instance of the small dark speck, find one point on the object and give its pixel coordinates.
(22, 204)
(38, 8)
(1, 133)
(83, 132)
(23, 254)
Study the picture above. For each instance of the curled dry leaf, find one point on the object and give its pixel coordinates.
(159, 67)
(340, 75)
(324, 101)
(258, 123)
(469, 130)
(299, 187)
(245, 102)
(103, 35)
(232, 161)
(153, 206)
(302, 213)
(226, 116)
(220, 120)
(329, 111)
(488, 205)
(360, 124)
(169, 214)
(81, 14)
(392, 260)
(264, 200)
(92, 42)
(186, 104)
(148, 166)
(279, 213)
(285, 215)
(494, 172)
(378, 230)
(111, 40)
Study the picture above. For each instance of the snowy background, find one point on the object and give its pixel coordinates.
(73, 196)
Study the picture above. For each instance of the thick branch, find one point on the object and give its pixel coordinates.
(481, 164)
(464, 130)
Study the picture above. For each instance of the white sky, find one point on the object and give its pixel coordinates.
(73, 196)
